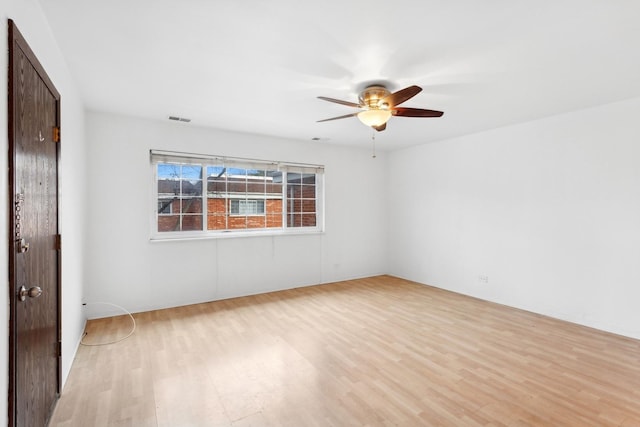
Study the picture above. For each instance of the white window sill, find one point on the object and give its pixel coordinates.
(185, 236)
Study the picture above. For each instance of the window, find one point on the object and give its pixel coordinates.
(247, 207)
(206, 195)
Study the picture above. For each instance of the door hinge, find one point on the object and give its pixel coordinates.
(58, 242)
(56, 134)
(59, 348)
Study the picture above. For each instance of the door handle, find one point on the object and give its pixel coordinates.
(32, 292)
(23, 246)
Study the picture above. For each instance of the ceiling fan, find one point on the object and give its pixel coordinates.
(377, 106)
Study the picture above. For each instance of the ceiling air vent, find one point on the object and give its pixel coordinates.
(179, 119)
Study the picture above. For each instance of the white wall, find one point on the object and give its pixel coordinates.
(548, 210)
(125, 268)
(31, 22)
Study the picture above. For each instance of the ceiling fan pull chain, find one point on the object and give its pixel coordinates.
(373, 138)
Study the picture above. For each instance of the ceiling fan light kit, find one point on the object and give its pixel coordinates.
(378, 105)
(374, 118)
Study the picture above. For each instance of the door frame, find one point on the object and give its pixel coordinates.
(18, 42)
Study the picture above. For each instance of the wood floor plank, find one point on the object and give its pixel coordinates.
(379, 351)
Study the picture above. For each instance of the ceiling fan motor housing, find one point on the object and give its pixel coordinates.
(370, 97)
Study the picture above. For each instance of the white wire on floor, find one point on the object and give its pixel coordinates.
(133, 329)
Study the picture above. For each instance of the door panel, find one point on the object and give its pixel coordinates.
(33, 255)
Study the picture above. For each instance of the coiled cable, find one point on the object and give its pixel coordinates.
(133, 329)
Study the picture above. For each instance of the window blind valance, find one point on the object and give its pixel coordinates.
(158, 156)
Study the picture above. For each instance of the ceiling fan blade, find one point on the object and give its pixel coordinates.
(400, 96)
(381, 127)
(415, 112)
(339, 101)
(339, 117)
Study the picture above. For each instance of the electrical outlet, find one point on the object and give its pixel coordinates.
(483, 279)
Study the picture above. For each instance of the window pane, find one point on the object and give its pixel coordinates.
(308, 191)
(293, 191)
(301, 178)
(168, 206)
(169, 223)
(273, 220)
(301, 220)
(273, 189)
(168, 171)
(217, 222)
(168, 187)
(237, 222)
(256, 184)
(191, 188)
(275, 176)
(301, 200)
(191, 222)
(255, 222)
(273, 206)
(237, 185)
(192, 205)
(191, 172)
(294, 220)
(308, 206)
(309, 179)
(293, 206)
(179, 189)
(308, 220)
(215, 171)
(237, 172)
(216, 186)
(294, 178)
(217, 213)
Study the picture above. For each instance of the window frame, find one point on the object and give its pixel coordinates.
(204, 161)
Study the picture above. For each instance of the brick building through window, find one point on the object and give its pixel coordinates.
(239, 195)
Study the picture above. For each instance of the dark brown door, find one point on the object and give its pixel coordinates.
(34, 255)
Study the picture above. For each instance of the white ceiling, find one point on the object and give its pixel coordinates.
(257, 66)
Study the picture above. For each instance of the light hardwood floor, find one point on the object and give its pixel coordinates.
(379, 352)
